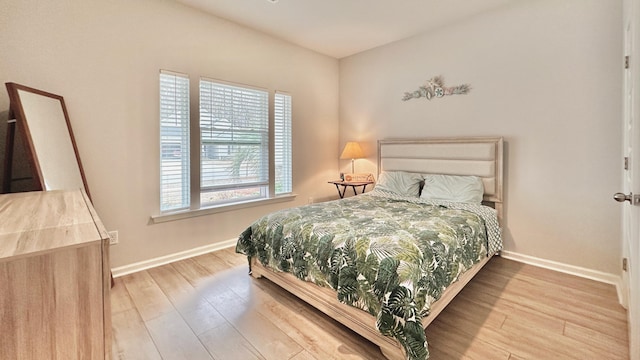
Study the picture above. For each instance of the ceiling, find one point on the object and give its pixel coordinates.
(340, 28)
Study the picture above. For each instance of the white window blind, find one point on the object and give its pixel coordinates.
(282, 143)
(174, 141)
(234, 135)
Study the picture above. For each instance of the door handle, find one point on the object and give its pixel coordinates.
(620, 197)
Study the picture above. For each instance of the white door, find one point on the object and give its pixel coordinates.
(631, 174)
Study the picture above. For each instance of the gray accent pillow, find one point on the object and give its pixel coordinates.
(457, 188)
(400, 182)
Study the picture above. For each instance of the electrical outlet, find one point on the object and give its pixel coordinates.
(113, 237)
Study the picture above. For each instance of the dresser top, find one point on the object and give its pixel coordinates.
(37, 222)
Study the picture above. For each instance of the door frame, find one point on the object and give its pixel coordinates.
(631, 136)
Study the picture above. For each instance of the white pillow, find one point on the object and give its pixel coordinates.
(400, 182)
(455, 188)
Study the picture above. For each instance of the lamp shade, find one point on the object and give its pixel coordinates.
(352, 151)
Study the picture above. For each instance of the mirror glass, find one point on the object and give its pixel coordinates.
(42, 119)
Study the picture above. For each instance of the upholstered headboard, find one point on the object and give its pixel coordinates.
(479, 156)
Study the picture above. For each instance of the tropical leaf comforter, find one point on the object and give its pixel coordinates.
(389, 255)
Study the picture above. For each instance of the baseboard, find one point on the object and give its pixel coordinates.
(151, 263)
(570, 269)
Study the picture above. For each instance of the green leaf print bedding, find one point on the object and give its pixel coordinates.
(389, 255)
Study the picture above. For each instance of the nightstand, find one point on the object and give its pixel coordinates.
(353, 184)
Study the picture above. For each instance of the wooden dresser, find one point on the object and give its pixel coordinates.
(54, 277)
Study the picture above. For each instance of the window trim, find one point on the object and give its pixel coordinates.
(220, 208)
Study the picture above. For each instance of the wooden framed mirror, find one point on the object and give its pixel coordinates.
(43, 122)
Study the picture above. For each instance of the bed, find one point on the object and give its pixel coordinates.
(376, 262)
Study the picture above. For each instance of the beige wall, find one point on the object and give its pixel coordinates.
(546, 75)
(104, 58)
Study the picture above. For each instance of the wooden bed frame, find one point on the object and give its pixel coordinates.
(479, 156)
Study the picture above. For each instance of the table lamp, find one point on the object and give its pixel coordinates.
(352, 151)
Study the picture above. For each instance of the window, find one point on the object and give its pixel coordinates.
(235, 153)
(234, 141)
(282, 139)
(174, 141)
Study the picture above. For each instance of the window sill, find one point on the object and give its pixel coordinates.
(184, 214)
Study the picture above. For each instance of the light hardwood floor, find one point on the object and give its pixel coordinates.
(208, 307)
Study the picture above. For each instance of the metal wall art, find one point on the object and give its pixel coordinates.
(435, 88)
